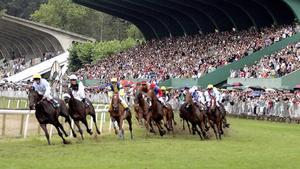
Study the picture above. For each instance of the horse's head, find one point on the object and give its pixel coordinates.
(115, 102)
(188, 98)
(33, 97)
(66, 97)
(213, 102)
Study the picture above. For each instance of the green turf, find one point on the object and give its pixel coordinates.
(248, 144)
(13, 103)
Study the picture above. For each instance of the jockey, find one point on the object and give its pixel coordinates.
(212, 92)
(77, 89)
(116, 88)
(43, 88)
(165, 95)
(157, 92)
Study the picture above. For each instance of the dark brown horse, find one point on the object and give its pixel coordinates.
(141, 108)
(215, 118)
(192, 113)
(117, 113)
(45, 113)
(156, 113)
(78, 111)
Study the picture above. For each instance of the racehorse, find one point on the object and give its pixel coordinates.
(45, 113)
(215, 118)
(118, 114)
(192, 113)
(156, 112)
(78, 111)
(141, 108)
(169, 117)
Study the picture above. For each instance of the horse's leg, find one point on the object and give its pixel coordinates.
(62, 129)
(79, 128)
(87, 126)
(212, 125)
(68, 120)
(60, 133)
(44, 127)
(183, 127)
(194, 126)
(151, 127)
(191, 131)
(148, 123)
(161, 130)
(94, 120)
(202, 127)
(170, 120)
(165, 118)
(130, 125)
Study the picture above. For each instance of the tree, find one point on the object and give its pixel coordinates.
(134, 32)
(69, 16)
(21, 8)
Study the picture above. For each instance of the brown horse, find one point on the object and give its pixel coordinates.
(215, 118)
(192, 113)
(156, 112)
(117, 113)
(78, 111)
(45, 113)
(169, 117)
(141, 108)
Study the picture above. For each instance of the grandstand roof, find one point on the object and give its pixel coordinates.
(162, 18)
(28, 39)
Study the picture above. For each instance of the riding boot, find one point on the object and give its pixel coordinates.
(127, 111)
(86, 104)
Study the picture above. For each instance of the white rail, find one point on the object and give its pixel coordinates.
(27, 114)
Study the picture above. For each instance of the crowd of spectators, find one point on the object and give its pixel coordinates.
(281, 103)
(184, 57)
(16, 65)
(275, 65)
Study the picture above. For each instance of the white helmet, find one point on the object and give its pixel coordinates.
(73, 77)
(66, 95)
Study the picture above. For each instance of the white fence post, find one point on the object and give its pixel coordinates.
(26, 124)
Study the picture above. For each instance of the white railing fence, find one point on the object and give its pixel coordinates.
(24, 122)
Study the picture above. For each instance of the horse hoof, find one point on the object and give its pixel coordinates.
(116, 132)
(152, 131)
(66, 142)
(98, 132)
(74, 135)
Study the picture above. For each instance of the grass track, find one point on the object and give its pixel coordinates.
(248, 144)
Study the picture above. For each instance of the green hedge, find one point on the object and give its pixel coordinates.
(91, 52)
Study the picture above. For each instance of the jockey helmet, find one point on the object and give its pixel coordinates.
(152, 86)
(73, 77)
(114, 80)
(210, 86)
(163, 88)
(37, 76)
(143, 83)
(186, 87)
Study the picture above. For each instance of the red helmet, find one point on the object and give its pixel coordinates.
(152, 86)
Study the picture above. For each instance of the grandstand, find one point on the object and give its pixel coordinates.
(171, 20)
(25, 43)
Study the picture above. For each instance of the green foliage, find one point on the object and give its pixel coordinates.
(69, 16)
(21, 8)
(66, 15)
(86, 53)
(134, 32)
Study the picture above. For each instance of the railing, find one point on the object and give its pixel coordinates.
(24, 123)
(279, 109)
